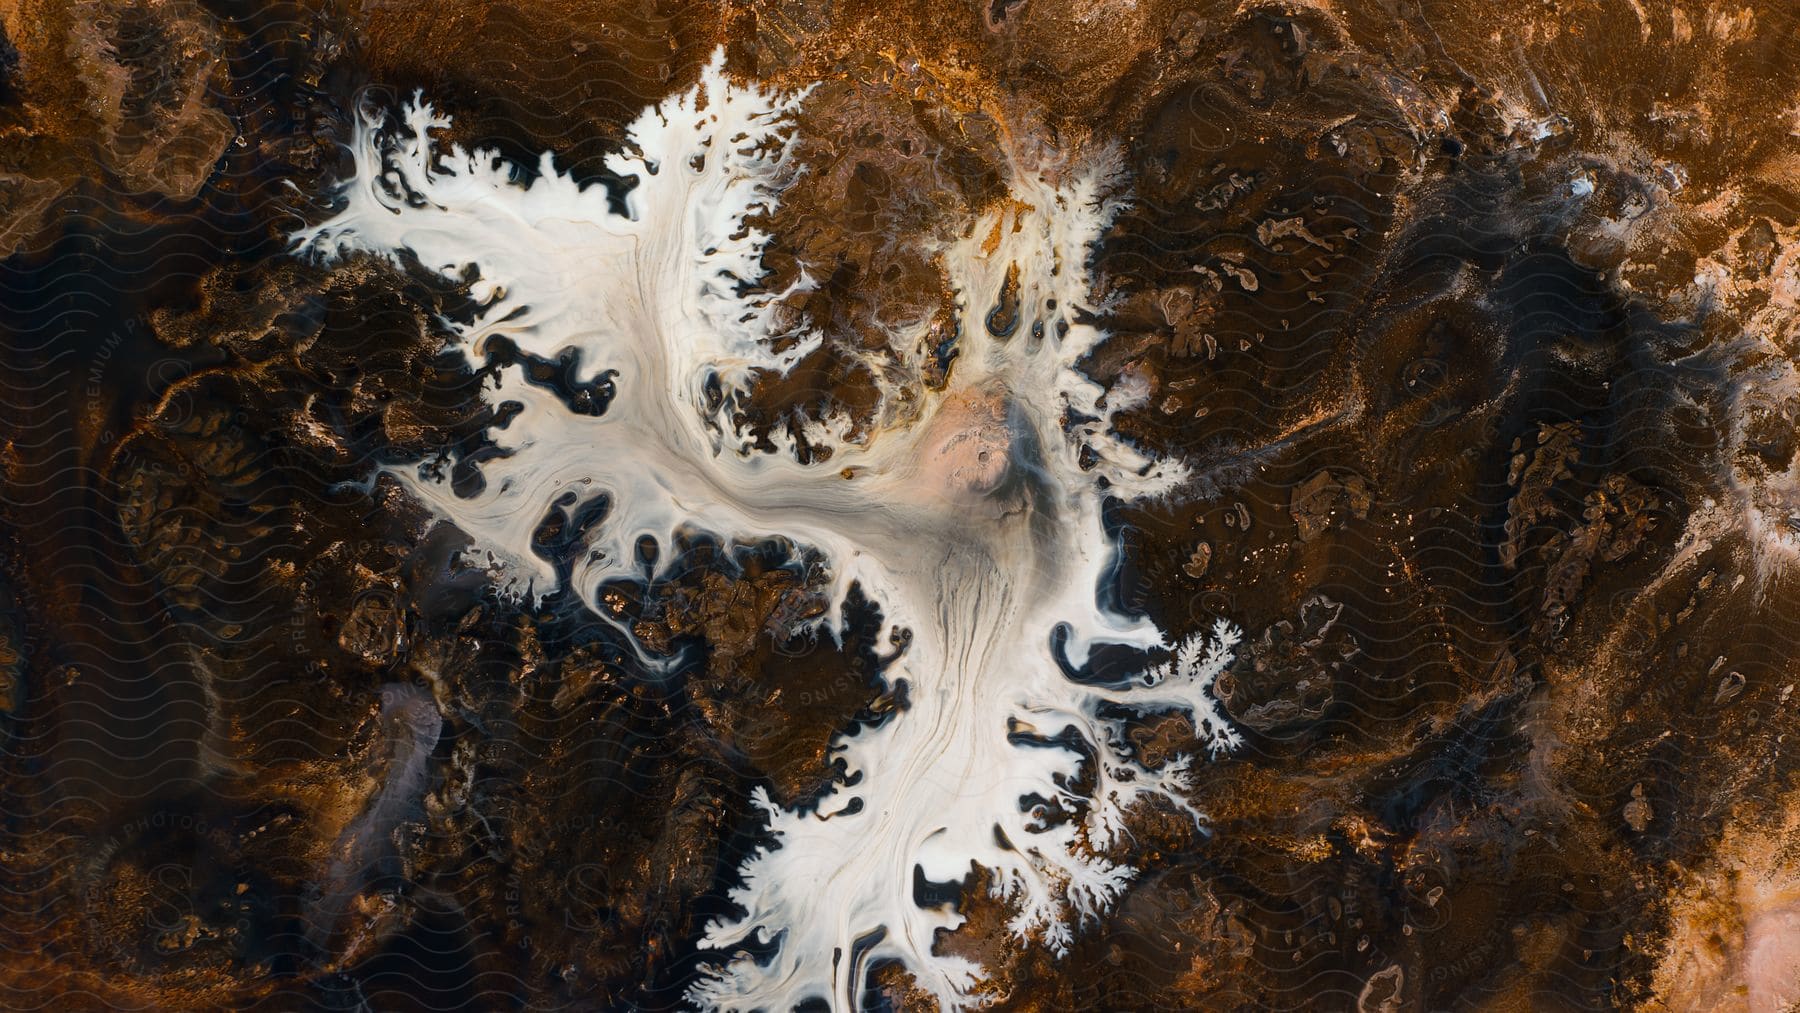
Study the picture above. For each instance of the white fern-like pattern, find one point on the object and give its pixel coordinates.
(975, 520)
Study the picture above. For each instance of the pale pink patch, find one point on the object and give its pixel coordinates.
(966, 447)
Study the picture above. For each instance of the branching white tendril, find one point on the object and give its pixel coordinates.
(976, 523)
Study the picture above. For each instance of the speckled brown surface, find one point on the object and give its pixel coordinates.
(1478, 323)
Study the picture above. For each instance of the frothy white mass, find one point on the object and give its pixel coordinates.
(969, 514)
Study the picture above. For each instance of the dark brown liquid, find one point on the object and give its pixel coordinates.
(1412, 287)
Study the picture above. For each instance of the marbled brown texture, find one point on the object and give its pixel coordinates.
(1538, 758)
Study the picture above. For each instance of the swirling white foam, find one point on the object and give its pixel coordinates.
(980, 557)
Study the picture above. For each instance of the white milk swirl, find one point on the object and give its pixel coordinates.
(971, 514)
